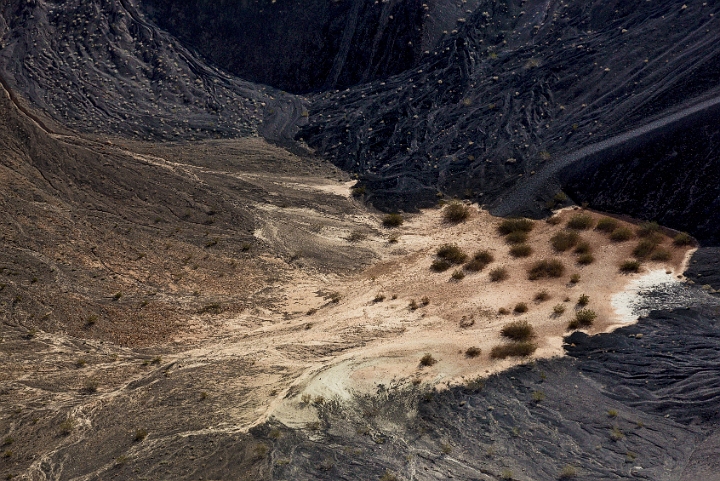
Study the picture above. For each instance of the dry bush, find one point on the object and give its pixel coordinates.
(621, 234)
(546, 268)
(583, 248)
(607, 225)
(630, 266)
(520, 307)
(517, 237)
(458, 275)
(518, 331)
(583, 318)
(479, 261)
(682, 239)
(515, 349)
(473, 352)
(451, 253)
(440, 265)
(521, 250)
(564, 240)
(661, 255)
(456, 212)
(644, 248)
(542, 296)
(514, 225)
(585, 259)
(647, 229)
(392, 220)
(583, 300)
(558, 309)
(427, 360)
(581, 222)
(499, 274)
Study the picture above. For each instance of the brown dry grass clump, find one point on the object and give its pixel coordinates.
(456, 212)
(607, 225)
(392, 220)
(546, 268)
(621, 234)
(451, 253)
(521, 250)
(564, 240)
(508, 226)
(581, 222)
(499, 274)
(479, 261)
(518, 331)
(515, 349)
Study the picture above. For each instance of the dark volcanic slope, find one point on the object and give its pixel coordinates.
(520, 85)
(99, 67)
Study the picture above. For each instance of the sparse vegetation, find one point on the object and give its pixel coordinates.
(425, 300)
(585, 259)
(508, 226)
(542, 296)
(440, 265)
(456, 212)
(413, 305)
(621, 234)
(356, 236)
(521, 250)
(647, 229)
(358, 191)
(581, 222)
(583, 248)
(518, 331)
(427, 360)
(479, 261)
(612, 413)
(473, 352)
(564, 240)
(90, 386)
(67, 426)
(616, 434)
(538, 396)
(388, 476)
(629, 266)
(568, 472)
(458, 275)
(379, 298)
(583, 300)
(451, 253)
(575, 278)
(503, 311)
(140, 435)
(682, 239)
(392, 220)
(558, 309)
(520, 308)
(583, 318)
(607, 225)
(499, 274)
(546, 268)
(516, 237)
(661, 255)
(514, 349)
(644, 248)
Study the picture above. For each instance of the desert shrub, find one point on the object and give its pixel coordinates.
(388, 476)
(583, 248)
(473, 351)
(630, 266)
(479, 261)
(564, 240)
(451, 253)
(612, 413)
(520, 250)
(517, 237)
(568, 472)
(392, 220)
(456, 212)
(140, 434)
(585, 259)
(546, 268)
(520, 307)
(413, 305)
(647, 229)
(542, 296)
(661, 255)
(555, 220)
(499, 274)
(583, 300)
(513, 225)
(518, 331)
(424, 300)
(616, 434)
(607, 225)
(503, 311)
(379, 298)
(581, 222)
(356, 236)
(427, 360)
(575, 278)
(458, 275)
(67, 426)
(583, 318)
(682, 239)
(558, 309)
(621, 234)
(514, 349)
(644, 248)
(440, 265)
(538, 396)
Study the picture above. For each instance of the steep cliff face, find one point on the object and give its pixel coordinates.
(299, 45)
(520, 85)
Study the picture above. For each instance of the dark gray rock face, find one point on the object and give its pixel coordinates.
(521, 85)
